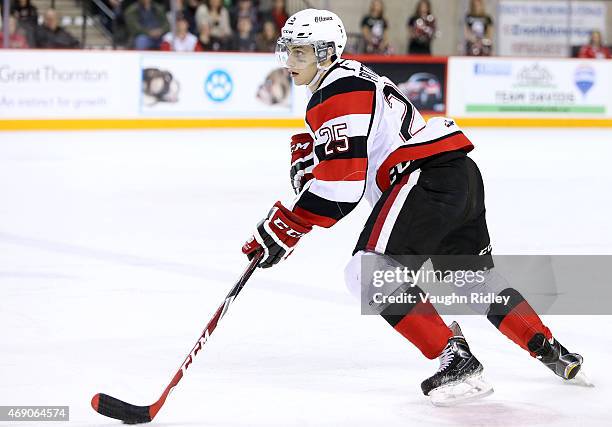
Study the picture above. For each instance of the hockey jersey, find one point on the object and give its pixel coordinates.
(366, 134)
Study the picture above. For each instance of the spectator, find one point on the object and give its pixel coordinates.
(27, 18)
(266, 40)
(374, 29)
(217, 17)
(478, 30)
(25, 12)
(421, 29)
(51, 36)
(206, 42)
(146, 23)
(16, 39)
(246, 9)
(244, 40)
(182, 40)
(189, 10)
(595, 49)
(279, 14)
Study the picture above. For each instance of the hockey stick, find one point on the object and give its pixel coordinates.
(133, 414)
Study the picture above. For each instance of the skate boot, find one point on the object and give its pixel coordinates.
(556, 357)
(459, 378)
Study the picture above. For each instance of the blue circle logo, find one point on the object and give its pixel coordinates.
(218, 85)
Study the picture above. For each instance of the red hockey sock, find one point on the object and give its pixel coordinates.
(420, 324)
(517, 320)
(424, 328)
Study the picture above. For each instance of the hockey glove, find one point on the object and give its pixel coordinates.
(302, 160)
(276, 235)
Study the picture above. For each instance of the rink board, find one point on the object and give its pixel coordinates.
(97, 90)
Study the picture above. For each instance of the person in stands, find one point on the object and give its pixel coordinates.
(244, 40)
(16, 39)
(181, 40)
(374, 29)
(478, 30)
(421, 29)
(595, 49)
(146, 22)
(50, 35)
(266, 40)
(217, 19)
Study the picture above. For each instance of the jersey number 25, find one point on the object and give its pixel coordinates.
(337, 141)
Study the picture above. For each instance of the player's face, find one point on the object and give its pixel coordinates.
(301, 63)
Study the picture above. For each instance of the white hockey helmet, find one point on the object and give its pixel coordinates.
(320, 29)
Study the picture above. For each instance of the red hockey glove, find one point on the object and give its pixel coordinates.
(302, 160)
(276, 235)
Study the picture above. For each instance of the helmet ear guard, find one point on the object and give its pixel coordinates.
(321, 51)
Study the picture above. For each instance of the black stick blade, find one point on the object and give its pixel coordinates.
(120, 410)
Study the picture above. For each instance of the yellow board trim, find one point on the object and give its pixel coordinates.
(156, 124)
(534, 123)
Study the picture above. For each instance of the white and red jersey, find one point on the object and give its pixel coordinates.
(171, 42)
(365, 134)
(595, 52)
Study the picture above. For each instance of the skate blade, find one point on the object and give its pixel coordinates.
(581, 379)
(471, 389)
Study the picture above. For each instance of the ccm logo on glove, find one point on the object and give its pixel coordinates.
(276, 235)
(290, 232)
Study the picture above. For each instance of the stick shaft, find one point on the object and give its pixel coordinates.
(208, 330)
(118, 409)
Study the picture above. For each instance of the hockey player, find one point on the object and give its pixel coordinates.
(365, 138)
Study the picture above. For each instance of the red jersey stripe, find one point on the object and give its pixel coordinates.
(382, 216)
(358, 102)
(313, 218)
(341, 170)
(413, 152)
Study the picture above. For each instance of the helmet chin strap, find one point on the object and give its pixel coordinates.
(315, 80)
(320, 71)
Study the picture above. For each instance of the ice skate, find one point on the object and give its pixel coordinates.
(556, 357)
(459, 378)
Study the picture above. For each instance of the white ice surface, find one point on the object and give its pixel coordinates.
(116, 248)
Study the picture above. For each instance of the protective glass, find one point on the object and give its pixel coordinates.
(294, 55)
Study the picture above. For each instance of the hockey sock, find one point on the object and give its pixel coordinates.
(419, 323)
(517, 320)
